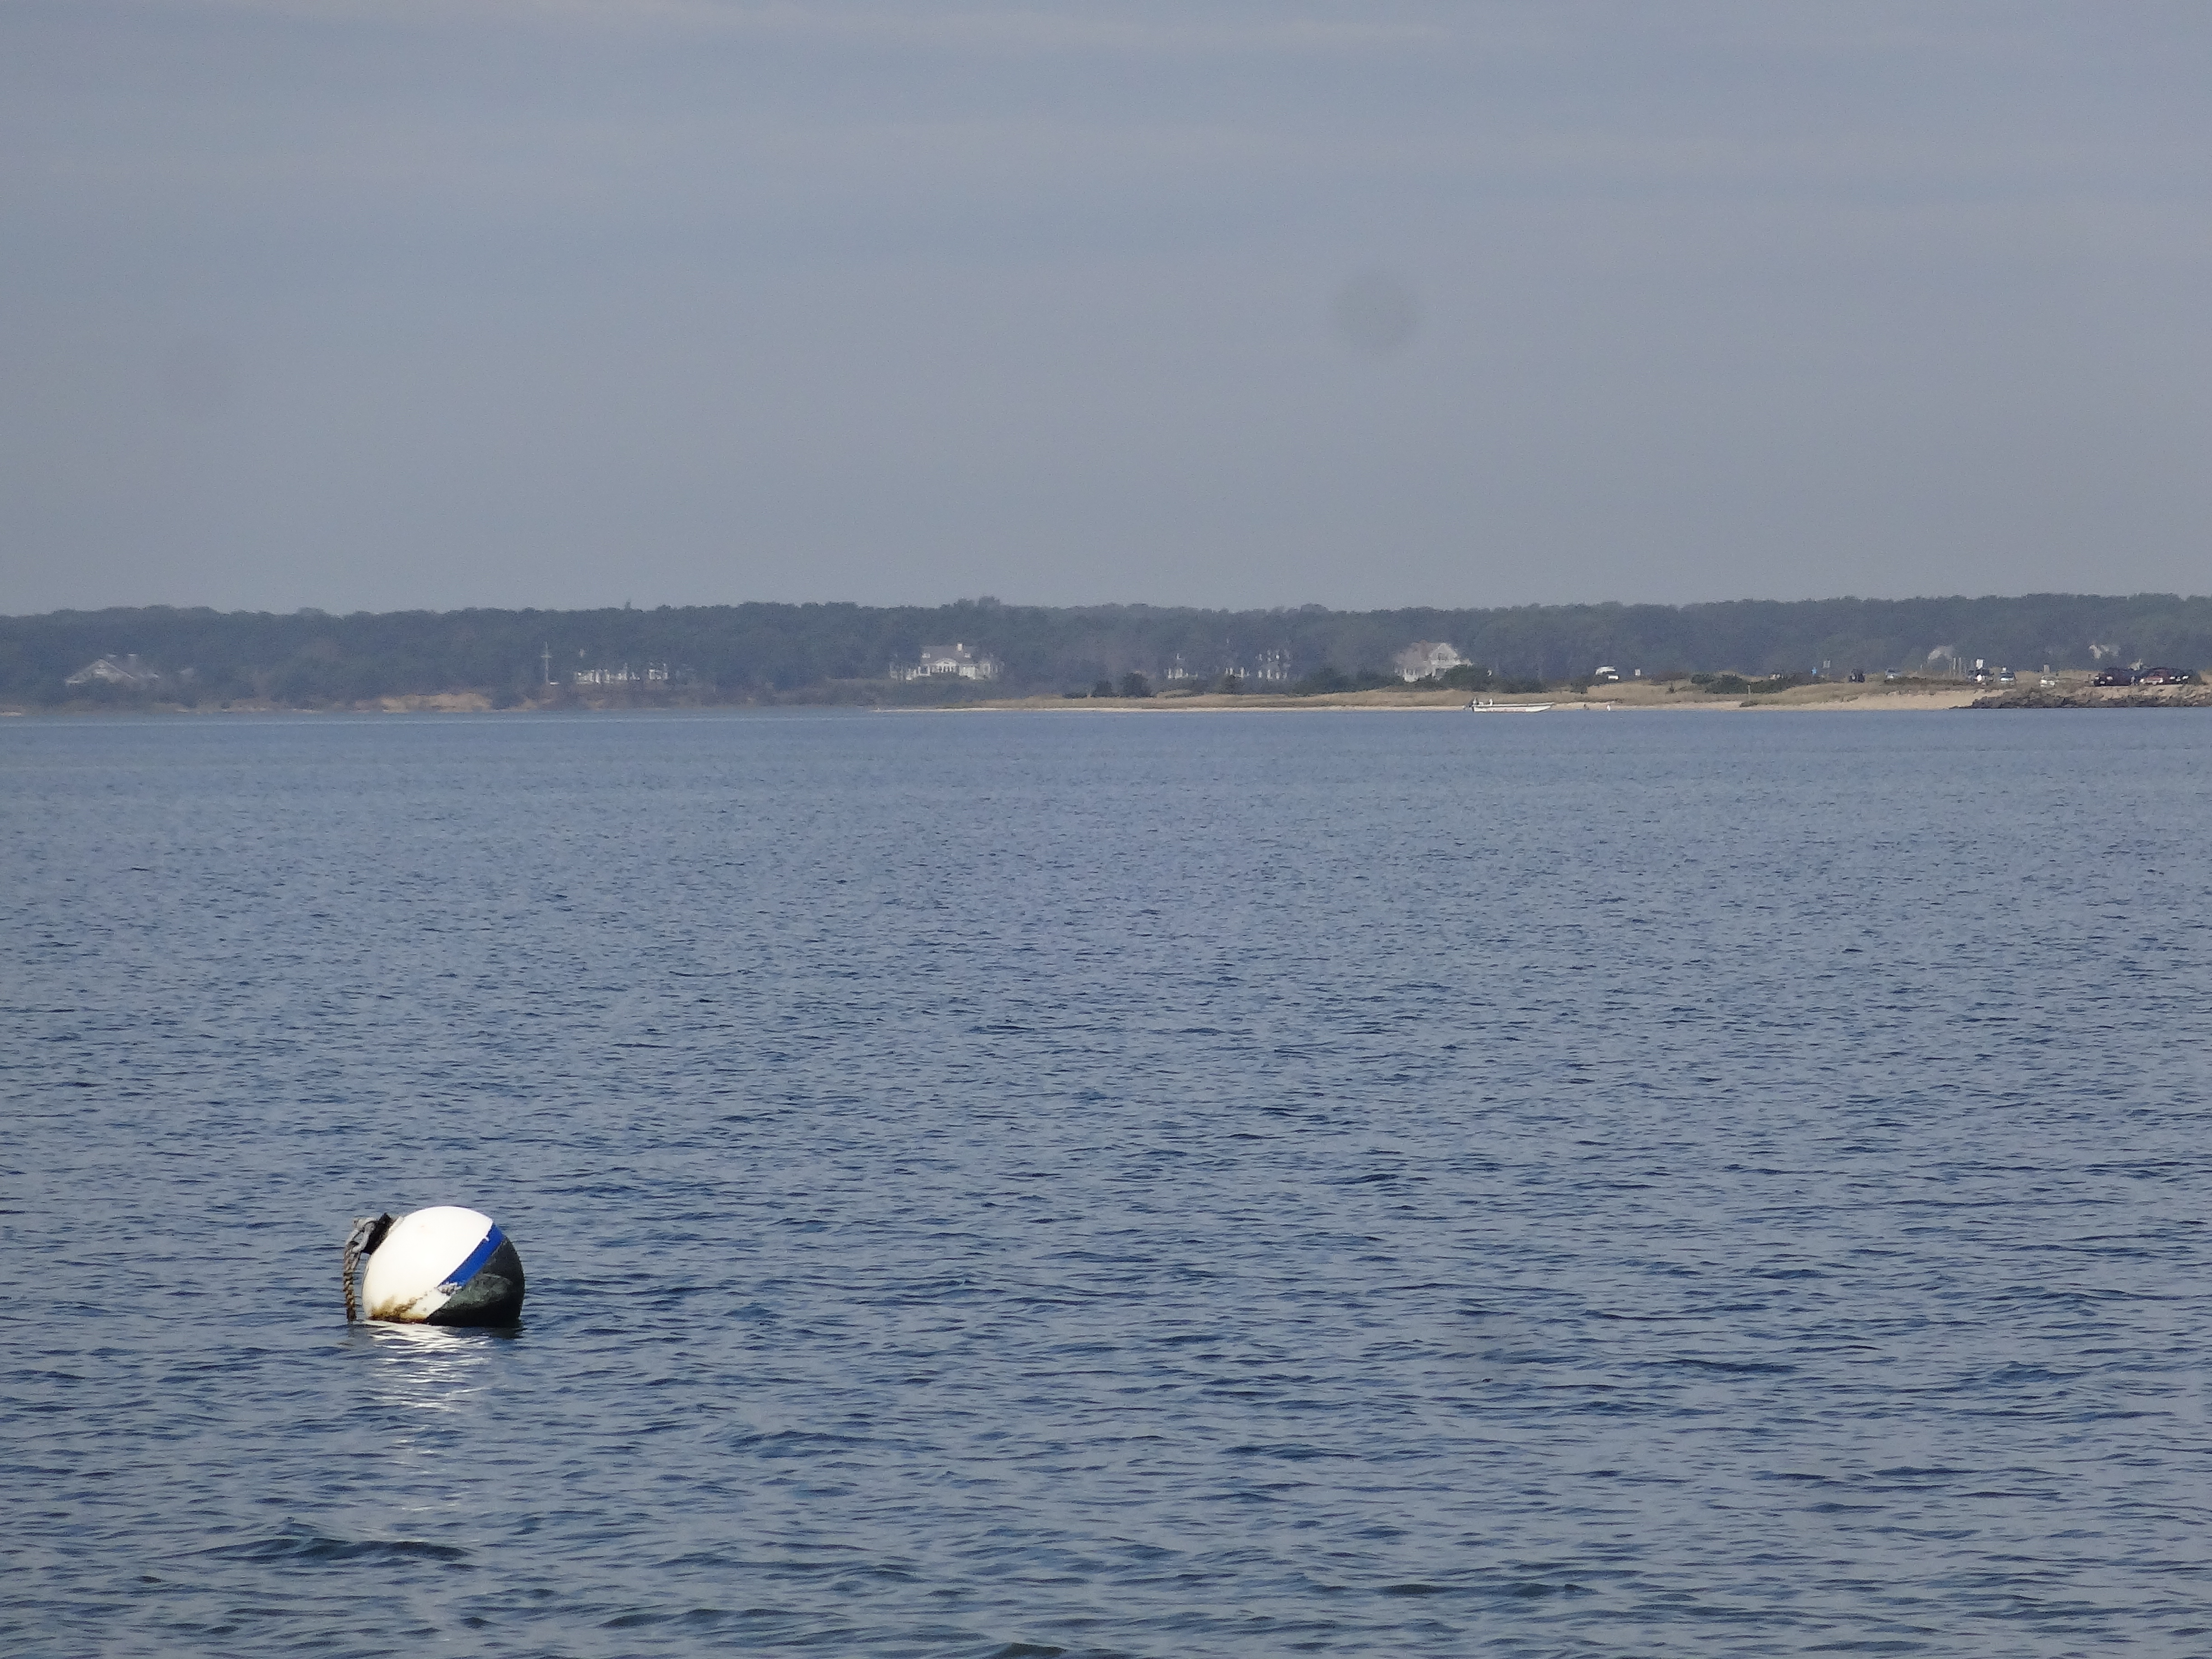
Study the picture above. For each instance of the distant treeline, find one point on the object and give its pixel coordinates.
(847, 652)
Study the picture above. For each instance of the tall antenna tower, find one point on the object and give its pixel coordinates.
(545, 656)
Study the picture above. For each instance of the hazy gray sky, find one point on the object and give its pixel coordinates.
(395, 303)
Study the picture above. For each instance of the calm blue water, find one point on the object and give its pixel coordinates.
(1171, 1185)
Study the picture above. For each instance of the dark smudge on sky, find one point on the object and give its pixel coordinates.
(1377, 313)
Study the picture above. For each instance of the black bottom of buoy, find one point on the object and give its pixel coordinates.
(492, 1296)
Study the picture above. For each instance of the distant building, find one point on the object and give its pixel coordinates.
(1272, 665)
(1607, 671)
(654, 673)
(1425, 658)
(126, 671)
(956, 661)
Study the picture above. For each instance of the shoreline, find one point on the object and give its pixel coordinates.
(1631, 697)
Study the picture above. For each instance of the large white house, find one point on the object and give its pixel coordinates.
(116, 670)
(956, 659)
(1424, 658)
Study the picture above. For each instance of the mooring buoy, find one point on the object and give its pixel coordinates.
(443, 1265)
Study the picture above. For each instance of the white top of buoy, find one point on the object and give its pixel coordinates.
(417, 1266)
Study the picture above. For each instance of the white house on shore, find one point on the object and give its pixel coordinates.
(956, 660)
(125, 671)
(1425, 658)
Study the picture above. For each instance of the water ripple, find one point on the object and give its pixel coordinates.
(1192, 1186)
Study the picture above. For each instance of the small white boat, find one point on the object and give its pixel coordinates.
(1486, 706)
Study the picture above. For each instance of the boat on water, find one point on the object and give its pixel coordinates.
(1486, 706)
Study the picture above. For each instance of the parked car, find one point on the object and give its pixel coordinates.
(2114, 677)
(2164, 677)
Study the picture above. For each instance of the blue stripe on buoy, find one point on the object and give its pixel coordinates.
(474, 1265)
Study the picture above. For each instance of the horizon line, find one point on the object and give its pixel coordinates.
(986, 601)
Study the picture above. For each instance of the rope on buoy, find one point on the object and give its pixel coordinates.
(368, 1232)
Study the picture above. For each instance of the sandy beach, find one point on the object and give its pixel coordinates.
(1630, 696)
